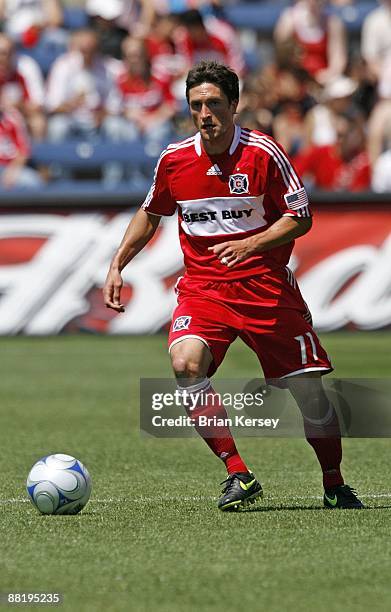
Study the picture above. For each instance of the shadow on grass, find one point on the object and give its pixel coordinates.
(293, 508)
(280, 508)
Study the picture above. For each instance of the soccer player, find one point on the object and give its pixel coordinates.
(240, 206)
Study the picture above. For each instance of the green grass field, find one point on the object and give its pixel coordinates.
(151, 538)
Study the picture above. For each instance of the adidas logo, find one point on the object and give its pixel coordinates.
(214, 171)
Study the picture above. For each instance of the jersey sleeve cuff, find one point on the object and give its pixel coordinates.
(298, 214)
(155, 214)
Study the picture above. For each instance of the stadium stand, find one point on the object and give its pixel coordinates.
(262, 16)
(279, 95)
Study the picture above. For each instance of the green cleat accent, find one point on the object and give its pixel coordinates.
(240, 490)
(342, 496)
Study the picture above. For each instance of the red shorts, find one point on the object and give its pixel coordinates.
(267, 312)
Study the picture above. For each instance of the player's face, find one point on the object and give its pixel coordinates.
(212, 113)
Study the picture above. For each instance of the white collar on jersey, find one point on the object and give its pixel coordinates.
(234, 143)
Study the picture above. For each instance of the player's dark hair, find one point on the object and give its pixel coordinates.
(217, 74)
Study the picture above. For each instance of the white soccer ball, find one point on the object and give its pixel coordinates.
(59, 484)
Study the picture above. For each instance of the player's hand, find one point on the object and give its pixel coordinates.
(112, 290)
(233, 252)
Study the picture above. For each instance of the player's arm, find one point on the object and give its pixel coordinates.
(281, 232)
(139, 232)
(288, 195)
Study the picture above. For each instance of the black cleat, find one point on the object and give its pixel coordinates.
(342, 496)
(241, 489)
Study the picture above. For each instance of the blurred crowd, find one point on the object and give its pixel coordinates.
(323, 94)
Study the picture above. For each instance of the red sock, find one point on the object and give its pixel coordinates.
(218, 437)
(325, 439)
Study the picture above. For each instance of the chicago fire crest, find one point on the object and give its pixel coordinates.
(238, 183)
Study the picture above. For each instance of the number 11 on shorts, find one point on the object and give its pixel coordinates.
(303, 348)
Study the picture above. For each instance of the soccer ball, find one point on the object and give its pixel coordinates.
(59, 484)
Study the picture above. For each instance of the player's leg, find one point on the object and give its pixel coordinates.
(198, 342)
(191, 360)
(321, 426)
(194, 356)
(288, 348)
(323, 433)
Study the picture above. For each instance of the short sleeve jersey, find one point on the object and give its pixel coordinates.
(230, 196)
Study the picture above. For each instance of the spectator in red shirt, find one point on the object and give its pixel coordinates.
(215, 42)
(321, 37)
(22, 85)
(165, 49)
(177, 41)
(343, 166)
(139, 107)
(15, 150)
(140, 104)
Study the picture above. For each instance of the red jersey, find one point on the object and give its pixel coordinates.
(311, 37)
(314, 53)
(137, 92)
(13, 137)
(14, 86)
(168, 58)
(229, 196)
(212, 49)
(330, 172)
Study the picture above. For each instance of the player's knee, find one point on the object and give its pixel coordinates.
(185, 367)
(311, 399)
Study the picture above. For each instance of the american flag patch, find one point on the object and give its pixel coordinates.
(298, 202)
